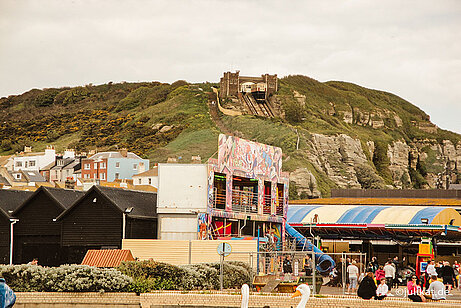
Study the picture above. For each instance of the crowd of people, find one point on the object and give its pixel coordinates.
(435, 283)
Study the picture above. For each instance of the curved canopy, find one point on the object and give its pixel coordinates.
(375, 215)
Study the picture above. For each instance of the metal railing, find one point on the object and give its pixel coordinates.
(244, 201)
(219, 199)
(267, 205)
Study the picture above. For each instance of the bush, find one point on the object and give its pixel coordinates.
(367, 177)
(151, 275)
(66, 278)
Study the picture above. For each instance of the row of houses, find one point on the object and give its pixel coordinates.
(59, 225)
(68, 169)
(242, 194)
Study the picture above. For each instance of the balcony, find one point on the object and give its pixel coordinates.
(244, 201)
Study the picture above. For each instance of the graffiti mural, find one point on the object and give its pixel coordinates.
(251, 158)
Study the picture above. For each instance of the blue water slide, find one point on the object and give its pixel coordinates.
(324, 262)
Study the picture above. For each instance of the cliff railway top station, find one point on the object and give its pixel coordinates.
(254, 95)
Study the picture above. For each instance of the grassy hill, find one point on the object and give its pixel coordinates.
(158, 120)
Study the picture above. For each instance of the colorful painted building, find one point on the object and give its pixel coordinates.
(241, 192)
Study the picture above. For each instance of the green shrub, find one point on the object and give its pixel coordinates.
(152, 275)
(66, 278)
(367, 177)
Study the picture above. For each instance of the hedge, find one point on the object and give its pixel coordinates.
(133, 276)
(152, 275)
(66, 278)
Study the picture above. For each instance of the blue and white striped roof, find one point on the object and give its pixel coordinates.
(373, 214)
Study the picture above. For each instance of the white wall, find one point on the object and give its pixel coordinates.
(177, 227)
(182, 188)
(41, 161)
(145, 180)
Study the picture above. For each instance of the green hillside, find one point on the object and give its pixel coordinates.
(158, 120)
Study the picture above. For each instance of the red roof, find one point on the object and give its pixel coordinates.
(107, 257)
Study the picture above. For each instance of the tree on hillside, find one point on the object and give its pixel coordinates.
(381, 161)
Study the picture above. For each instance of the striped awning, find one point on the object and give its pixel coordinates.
(371, 215)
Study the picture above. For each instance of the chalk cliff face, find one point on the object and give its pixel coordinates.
(337, 157)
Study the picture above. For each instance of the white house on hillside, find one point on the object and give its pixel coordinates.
(29, 161)
(149, 177)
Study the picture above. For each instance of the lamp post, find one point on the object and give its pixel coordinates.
(12, 222)
(128, 210)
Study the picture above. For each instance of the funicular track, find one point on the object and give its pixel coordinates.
(259, 109)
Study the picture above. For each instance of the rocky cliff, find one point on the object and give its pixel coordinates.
(333, 134)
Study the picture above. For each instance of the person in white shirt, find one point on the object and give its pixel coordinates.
(430, 270)
(389, 273)
(382, 290)
(436, 290)
(353, 272)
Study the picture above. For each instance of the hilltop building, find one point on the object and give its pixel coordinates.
(231, 84)
(253, 94)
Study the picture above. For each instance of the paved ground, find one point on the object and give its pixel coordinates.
(400, 292)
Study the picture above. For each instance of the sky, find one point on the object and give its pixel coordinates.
(409, 48)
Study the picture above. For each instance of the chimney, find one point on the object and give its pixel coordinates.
(124, 152)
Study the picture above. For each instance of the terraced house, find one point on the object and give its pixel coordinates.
(111, 166)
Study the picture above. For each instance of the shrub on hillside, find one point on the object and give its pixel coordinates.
(66, 278)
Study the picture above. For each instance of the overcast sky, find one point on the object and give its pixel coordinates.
(409, 48)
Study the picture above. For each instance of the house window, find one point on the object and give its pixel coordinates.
(86, 176)
(17, 176)
(117, 175)
(25, 164)
(87, 166)
(103, 176)
(19, 164)
(139, 181)
(135, 166)
(150, 181)
(102, 166)
(117, 164)
(95, 165)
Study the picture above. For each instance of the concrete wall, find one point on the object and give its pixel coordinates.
(189, 252)
(177, 226)
(182, 188)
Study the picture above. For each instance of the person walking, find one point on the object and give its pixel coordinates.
(380, 274)
(430, 269)
(353, 274)
(448, 275)
(389, 274)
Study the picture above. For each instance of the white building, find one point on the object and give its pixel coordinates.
(149, 177)
(29, 161)
(182, 195)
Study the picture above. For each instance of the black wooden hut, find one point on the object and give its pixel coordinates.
(98, 220)
(10, 200)
(36, 234)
